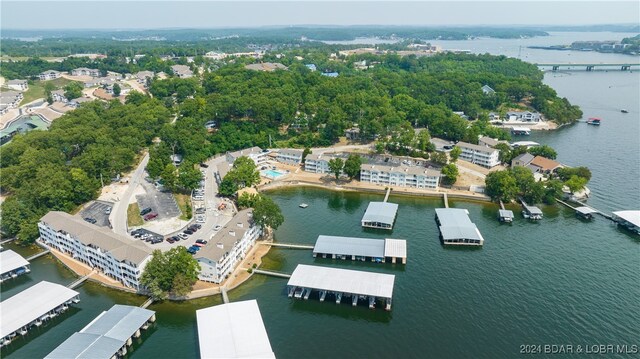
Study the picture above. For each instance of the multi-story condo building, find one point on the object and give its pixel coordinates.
(258, 155)
(49, 75)
(480, 155)
(19, 85)
(116, 256)
(290, 156)
(83, 71)
(317, 163)
(228, 247)
(404, 176)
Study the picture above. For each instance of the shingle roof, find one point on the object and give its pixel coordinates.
(227, 236)
(545, 163)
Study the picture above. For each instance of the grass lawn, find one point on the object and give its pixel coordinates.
(36, 89)
(184, 202)
(133, 215)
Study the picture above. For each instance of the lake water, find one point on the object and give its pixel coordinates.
(558, 281)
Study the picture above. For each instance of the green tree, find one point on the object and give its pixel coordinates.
(352, 165)
(190, 177)
(169, 177)
(244, 172)
(455, 153)
(73, 90)
(335, 166)
(48, 88)
(576, 183)
(544, 151)
(305, 153)
(505, 152)
(267, 213)
(227, 187)
(565, 173)
(501, 185)
(553, 189)
(116, 90)
(173, 272)
(439, 158)
(450, 173)
(247, 200)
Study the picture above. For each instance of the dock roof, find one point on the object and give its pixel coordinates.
(505, 213)
(532, 209)
(233, 330)
(395, 248)
(343, 280)
(105, 335)
(350, 246)
(382, 212)
(10, 260)
(632, 217)
(30, 304)
(585, 210)
(455, 224)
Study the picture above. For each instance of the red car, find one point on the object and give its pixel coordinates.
(150, 216)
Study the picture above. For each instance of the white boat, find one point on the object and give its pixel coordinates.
(37, 323)
(298, 293)
(75, 300)
(624, 111)
(594, 121)
(22, 331)
(303, 205)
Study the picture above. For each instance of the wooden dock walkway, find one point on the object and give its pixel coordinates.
(607, 216)
(386, 196)
(7, 240)
(81, 280)
(147, 303)
(225, 296)
(288, 245)
(502, 205)
(38, 255)
(272, 273)
(445, 198)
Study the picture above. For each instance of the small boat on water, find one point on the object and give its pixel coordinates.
(624, 111)
(594, 121)
(303, 205)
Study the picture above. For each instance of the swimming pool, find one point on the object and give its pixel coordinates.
(273, 174)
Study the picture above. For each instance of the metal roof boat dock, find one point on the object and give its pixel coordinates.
(505, 215)
(107, 336)
(378, 250)
(32, 306)
(12, 265)
(341, 282)
(531, 212)
(585, 212)
(628, 219)
(233, 330)
(380, 215)
(456, 228)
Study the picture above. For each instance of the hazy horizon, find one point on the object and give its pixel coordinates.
(199, 15)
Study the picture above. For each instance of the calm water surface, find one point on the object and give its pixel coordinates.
(559, 281)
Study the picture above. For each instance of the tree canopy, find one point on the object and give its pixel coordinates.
(173, 272)
(267, 213)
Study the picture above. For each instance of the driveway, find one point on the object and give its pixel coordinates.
(162, 203)
(97, 211)
(119, 213)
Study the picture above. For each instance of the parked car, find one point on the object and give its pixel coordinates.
(107, 211)
(191, 251)
(217, 227)
(90, 220)
(196, 248)
(145, 211)
(150, 216)
(183, 236)
(187, 231)
(197, 226)
(170, 240)
(201, 241)
(202, 164)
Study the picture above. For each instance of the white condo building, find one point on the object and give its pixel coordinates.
(227, 248)
(480, 155)
(290, 156)
(405, 176)
(317, 163)
(114, 255)
(258, 155)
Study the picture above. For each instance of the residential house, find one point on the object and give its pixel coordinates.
(11, 99)
(227, 247)
(83, 71)
(480, 155)
(266, 66)
(488, 90)
(18, 85)
(49, 75)
(544, 165)
(258, 155)
(95, 82)
(290, 156)
(522, 160)
(58, 96)
(352, 133)
(494, 116)
(215, 55)
(524, 116)
(144, 76)
(114, 255)
(76, 102)
(311, 67)
(182, 71)
(402, 175)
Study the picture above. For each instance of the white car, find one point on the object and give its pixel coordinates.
(217, 227)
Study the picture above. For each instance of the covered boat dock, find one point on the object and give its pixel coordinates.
(628, 219)
(376, 250)
(505, 215)
(233, 330)
(33, 306)
(585, 212)
(381, 215)
(107, 336)
(12, 265)
(456, 228)
(341, 282)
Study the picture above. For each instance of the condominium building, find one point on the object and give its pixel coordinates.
(258, 155)
(49, 75)
(480, 155)
(116, 256)
(83, 71)
(290, 156)
(404, 176)
(317, 163)
(228, 247)
(18, 85)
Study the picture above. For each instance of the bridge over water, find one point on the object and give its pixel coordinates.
(589, 66)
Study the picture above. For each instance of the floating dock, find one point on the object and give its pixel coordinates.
(375, 250)
(32, 307)
(12, 265)
(380, 215)
(107, 336)
(505, 215)
(341, 283)
(456, 228)
(628, 219)
(233, 330)
(585, 212)
(531, 212)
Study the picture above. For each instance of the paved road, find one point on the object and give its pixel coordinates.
(119, 212)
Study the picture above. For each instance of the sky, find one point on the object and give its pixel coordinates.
(90, 14)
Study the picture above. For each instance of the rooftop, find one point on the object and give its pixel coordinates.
(10, 260)
(343, 280)
(412, 170)
(222, 242)
(585, 210)
(545, 163)
(365, 247)
(455, 224)
(382, 212)
(30, 304)
(233, 330)
(632, 217)
(478, 148)
(266, 66)
(525, 158)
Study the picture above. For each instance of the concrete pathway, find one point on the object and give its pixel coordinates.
(118, 216)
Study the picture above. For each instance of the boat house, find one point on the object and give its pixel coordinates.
(341, 283)
(380, 215)
(628, 219)
(12, 265)
(456, 228)
(376, 250)
(505, 215)
(585, 212)
(233, 330)
(107, 336)
(32, 307)
(531, 212)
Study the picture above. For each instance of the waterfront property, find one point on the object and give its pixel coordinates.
(522, 160)
(318, 163)
(32, 307)
(290, 156)
(258, 155)
(107, 336)
(233, 330)
(380, 215)
(114, 255)
(402, 175)
(524, 116)
(456, 228)
(505, 215)
(12, 265)
(376, 250)
(531, 212)
(543, 165)
(480, 155)
(341, 282)
(585, 212)
(628, 219)
(227, 247)
(520, 131)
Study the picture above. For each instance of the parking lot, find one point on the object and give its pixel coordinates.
(142, 234)
(98, 212)
(161, 203)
